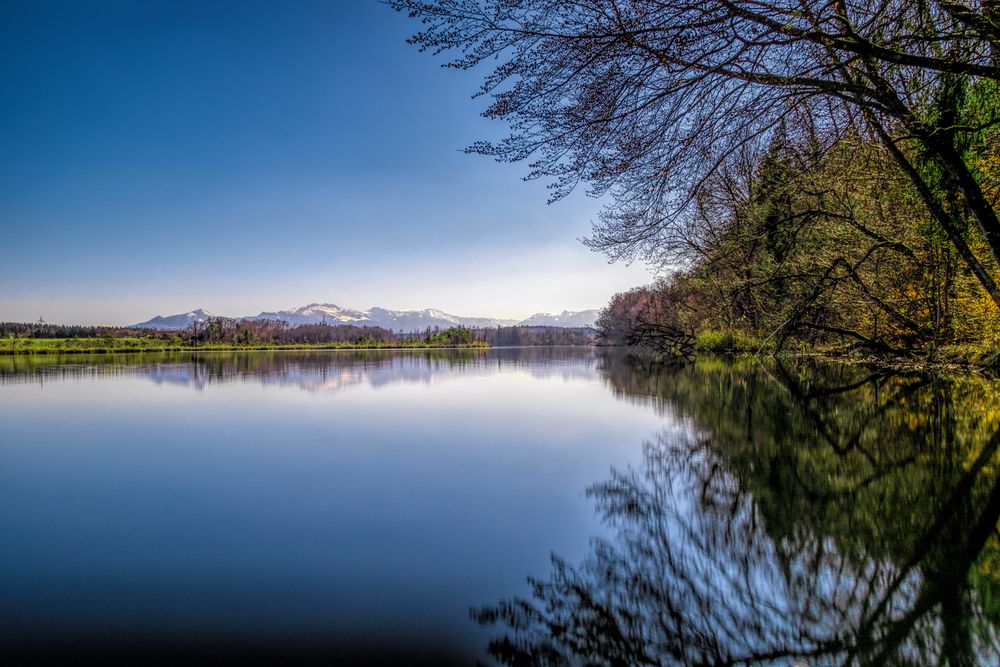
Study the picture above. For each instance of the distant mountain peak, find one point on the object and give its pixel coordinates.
(396, 320)
(180, 321)
(567, 318)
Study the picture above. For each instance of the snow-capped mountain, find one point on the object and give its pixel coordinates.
(397, 320)
(567, 318)
(181, 321)
(316, 313)
(406, 320)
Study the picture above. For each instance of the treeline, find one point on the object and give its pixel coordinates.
(278, 332)
(46, 330)
(817, 244)
(520, 336)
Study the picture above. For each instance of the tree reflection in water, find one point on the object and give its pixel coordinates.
(813, 515)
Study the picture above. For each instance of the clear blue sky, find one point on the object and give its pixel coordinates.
(161, 156)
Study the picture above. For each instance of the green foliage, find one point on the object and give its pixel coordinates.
(827, 251)
(726, 341)
(453, 336)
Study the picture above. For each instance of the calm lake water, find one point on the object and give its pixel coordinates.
(353, 507)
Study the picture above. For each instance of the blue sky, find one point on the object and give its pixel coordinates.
(247, 156)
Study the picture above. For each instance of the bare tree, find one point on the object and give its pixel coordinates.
(644, 99)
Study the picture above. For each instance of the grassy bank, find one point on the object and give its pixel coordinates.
(122, 345)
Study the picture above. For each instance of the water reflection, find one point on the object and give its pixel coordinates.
(329, 370)
(789, 514)
(806, 514)
(349, 506)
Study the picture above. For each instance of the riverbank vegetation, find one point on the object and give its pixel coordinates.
(803, 175)
(799, 251)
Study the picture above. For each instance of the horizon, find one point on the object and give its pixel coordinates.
(212, 313)
(237, 156)
(217, 313)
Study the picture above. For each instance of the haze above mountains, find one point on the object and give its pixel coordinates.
(396, 320)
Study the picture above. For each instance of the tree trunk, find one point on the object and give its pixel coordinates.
(985, 216)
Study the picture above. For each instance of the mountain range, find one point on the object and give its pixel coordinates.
(397, 320)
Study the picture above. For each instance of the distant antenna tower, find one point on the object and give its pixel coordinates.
(41, 320)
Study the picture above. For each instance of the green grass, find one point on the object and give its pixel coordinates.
(727, 342)
(113, 345)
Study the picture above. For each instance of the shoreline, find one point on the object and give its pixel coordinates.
(127, 349)
(955, 359)
(951, 359)
(947, 362)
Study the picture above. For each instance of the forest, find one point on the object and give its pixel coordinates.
(803, 248)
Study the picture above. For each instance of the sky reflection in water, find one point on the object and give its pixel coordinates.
(326, 498)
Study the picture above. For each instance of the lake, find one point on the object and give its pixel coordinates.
(355, 506)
